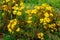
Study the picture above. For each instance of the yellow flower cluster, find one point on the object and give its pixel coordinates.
(11, 26)
(30, 12)
(47, 7)
(48, 14)
(45, 21)
(18, 8)
(5, 7)
(52, 27)
(40, 35)
(44, 13)
(29, 19)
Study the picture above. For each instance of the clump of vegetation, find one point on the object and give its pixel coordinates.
(29, 20)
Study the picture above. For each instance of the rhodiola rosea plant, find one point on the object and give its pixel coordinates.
(22, 21)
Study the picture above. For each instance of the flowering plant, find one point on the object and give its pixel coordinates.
(21, 22)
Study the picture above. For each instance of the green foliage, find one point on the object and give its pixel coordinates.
(8, 37)
(1, 20)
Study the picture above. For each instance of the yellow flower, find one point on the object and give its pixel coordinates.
(29, 18)
(21, 4)
(15, 8)
(14, 24)
(34, 11)
(19, 13)
(18, 29)
(44, 5)
(28, 11)
(15, 21)
(11, 25)
(37, 7)
(41, 7)
(46, 14)
(21, 8)
(51, 14)
(10, 30)
(52, 30)
(11, 21)
(52, 25)
(14, 12)
(47, 19)
(29, 21)
(5, 7)
(45, 27)
(41, 20)
(40, 35)
(49, 8)
(7, 0)
(8, 26)
(16, 5)
(44, 23)
(13, 1)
